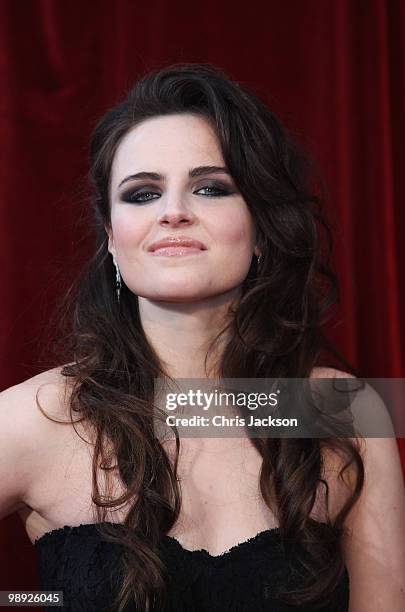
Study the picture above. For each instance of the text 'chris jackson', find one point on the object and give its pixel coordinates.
(223, 421)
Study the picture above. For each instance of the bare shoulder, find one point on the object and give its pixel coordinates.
(324, 372)
(27, 435)
(21, 404)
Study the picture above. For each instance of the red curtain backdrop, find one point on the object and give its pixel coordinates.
(333, 70)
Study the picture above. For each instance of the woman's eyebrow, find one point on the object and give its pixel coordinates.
(194, 172)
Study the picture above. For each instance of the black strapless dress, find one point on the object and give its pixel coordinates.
(79, 562)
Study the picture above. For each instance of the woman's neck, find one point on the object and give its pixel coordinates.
(181, 333)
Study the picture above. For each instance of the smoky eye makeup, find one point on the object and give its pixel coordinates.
(216, 184)
(148, 192)
(129, 193)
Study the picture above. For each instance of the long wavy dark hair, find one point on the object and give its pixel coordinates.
(275, 330)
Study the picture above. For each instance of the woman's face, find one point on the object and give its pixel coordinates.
(177, 197)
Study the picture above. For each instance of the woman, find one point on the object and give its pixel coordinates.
(123, 520)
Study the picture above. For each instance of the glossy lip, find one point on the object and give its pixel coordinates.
(175, 242)
(176, 251)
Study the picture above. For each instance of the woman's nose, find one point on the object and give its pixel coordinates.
(175, 213)
(175, 219)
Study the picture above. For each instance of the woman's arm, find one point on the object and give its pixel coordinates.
(375, 546)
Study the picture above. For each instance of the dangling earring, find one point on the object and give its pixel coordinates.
(118, 282)
(259, 259)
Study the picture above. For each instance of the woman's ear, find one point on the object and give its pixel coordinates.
(110, 247)
(256, 241)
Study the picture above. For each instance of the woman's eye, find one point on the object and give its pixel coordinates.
(214, 191)
(134, 197)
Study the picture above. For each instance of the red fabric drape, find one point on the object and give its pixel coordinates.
(333, 70)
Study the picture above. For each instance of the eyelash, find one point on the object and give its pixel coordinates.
(130, 196)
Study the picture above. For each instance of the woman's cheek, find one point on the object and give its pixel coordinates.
(128, 233)
(238, 227)
(240, 236)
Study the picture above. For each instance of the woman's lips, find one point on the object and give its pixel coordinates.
(177, 241)
(176, 251)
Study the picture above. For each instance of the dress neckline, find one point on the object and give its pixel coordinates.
(91, 529)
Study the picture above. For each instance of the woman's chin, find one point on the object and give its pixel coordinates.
(177, 296)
